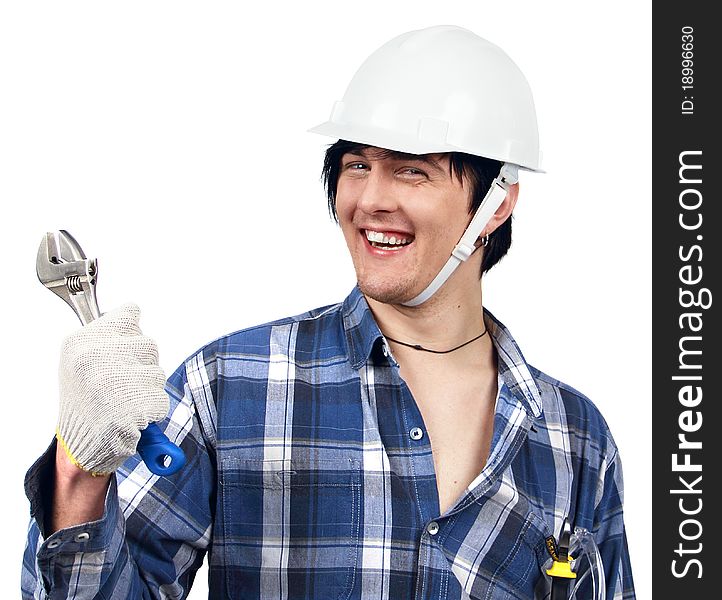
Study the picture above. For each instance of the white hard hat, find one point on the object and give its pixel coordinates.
(441, 89)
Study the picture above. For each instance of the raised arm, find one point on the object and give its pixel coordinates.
(103, 525)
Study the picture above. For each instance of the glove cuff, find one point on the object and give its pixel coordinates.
(100, 456)
(71, 458)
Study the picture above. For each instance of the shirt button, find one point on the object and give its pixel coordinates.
(82, 537)
(53, 544)
(416, 433)
(432, 528)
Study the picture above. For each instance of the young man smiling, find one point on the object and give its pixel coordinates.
(396, 445)
(402, 215)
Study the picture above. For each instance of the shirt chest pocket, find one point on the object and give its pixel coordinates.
(290, 527)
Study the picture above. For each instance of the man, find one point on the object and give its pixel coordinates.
(396, 445)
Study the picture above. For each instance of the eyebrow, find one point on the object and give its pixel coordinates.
(397, 155)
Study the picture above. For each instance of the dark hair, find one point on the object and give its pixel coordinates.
(479, 171)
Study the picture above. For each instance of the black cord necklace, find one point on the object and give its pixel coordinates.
(420, 347)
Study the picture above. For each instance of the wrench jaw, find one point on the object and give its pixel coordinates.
(63, 269)
(81, 292)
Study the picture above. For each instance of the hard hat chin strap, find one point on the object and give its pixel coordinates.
(508, 175)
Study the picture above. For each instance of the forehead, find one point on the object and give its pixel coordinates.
(439, 161)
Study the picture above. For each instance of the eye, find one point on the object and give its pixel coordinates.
(412, 172)
(354, 170)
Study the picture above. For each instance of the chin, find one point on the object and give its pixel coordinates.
(396, 292)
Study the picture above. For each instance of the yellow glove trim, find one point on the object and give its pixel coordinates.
(73, 460)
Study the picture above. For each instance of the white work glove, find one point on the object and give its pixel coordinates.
(111, 387)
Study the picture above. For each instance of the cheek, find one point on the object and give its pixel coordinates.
(459, 214)
(345, 205)
(345, 210)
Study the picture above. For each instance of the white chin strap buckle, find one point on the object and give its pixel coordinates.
(508, 175)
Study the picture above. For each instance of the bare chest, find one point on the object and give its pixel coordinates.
(459, 418)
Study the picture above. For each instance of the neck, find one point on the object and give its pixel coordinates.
(448, 319)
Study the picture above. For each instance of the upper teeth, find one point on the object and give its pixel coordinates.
(380, 238)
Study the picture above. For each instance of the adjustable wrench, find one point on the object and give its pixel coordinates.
(63, 268)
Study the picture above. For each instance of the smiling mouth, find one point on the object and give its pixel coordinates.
(388, 240)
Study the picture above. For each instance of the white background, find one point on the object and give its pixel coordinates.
(170, 139)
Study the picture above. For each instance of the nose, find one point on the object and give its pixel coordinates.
(377, 194)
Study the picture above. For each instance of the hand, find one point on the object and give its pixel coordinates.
(111, 387)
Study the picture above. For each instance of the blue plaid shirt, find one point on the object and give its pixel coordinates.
(303, 482)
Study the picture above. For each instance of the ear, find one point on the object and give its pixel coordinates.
(504, 211)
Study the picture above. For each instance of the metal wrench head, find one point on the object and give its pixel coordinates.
(63, 268)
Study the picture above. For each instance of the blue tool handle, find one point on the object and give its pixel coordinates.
(159, 454)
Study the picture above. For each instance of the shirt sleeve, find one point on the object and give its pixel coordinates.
(154, 532)
(610, 535)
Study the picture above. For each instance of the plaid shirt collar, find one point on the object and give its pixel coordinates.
(362, 333)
